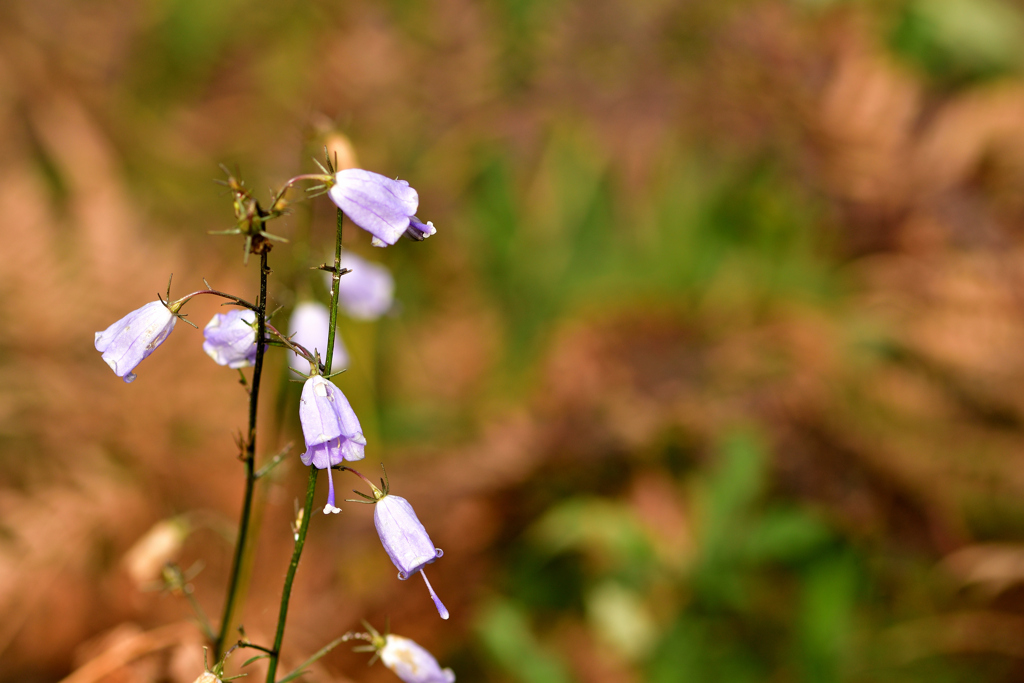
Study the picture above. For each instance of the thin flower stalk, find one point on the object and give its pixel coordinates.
(307, 510)
(249, 460)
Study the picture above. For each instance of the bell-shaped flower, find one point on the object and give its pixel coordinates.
(331, 430)
(131, 339)
(406, 541)
(375, 203)
(231, 338)
(309, 327)
(411, 662)
(367, 291)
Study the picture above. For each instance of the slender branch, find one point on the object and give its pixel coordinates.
(307, 511)
(249, 459)
(234, 299)
(286, 592)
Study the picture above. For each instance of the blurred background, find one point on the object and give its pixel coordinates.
(712, 371)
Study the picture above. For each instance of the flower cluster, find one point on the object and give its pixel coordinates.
(333, 436)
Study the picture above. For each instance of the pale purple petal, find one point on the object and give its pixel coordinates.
(231, 338)
(325, 413)
(375, 203)
(308, 328)
(412, 663)
(131, 339)
(334, 452)
(403, 536)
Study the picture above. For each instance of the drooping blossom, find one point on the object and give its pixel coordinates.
(411, 662)
(231, 338)
(406, 541)
(331, 430)
(131, 339)
(308, 327)
(367, 291)
(381, 206)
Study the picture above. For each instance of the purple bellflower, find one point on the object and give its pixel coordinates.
(331, 430)
(379, 205)
(405, 540)
(366, 292)
(308, 328)
(231, 338)
(411, 662)
(131, 339)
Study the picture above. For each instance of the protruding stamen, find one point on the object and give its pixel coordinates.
(329, 508)
(441, 609)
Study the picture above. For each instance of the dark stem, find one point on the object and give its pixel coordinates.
(307, 510)
(249, 459)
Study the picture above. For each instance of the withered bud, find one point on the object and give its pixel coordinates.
(145, 560)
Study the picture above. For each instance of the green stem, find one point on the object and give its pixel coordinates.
(286, 592)
(307, 510)
(249, 459)
(335, 283)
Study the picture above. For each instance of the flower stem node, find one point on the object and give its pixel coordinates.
(230, 338)
(331, 430)
(406, 541)
(131, 339)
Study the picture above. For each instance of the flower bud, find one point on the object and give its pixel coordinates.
(131, 339)
(231, 338)
(340, 151)
(145, 560)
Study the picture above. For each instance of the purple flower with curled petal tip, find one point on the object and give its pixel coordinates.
(375, 203)
(366, 292)
(411, 662)
(308, 327)
(231, 338)
(131, 339)
(331, 430)
(406, 541)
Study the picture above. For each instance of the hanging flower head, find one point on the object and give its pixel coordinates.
(331, 430)
(131, 339)
(231, 338)
(381, 206)
(407, 658)
(402, 534)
